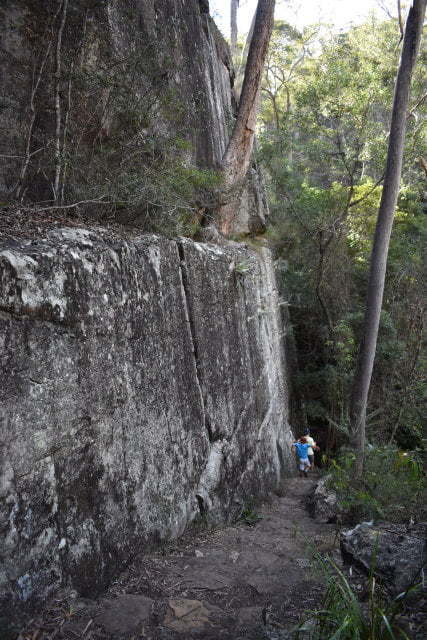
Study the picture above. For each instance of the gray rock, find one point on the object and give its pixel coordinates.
(143, 387)
(189, 616)
(249, 615)
(324, 502)
(124, 614)
(176, 73)
(396, 553)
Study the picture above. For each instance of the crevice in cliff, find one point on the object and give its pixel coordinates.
(202, 506)
(210, 474)
(189, 316)
(209, 428)
(214, 436)
(188, 306)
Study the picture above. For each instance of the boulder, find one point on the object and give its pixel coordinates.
(395, 552)
(125, 614)
(325, 502)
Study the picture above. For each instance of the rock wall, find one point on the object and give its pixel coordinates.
(106, 91)
(142, 388)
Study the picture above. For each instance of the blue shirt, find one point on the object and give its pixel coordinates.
(302, 450)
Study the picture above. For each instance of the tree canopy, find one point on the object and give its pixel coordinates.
(324, 132)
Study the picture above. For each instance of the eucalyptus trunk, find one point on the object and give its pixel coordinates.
(366, 356)
(236, 160)
(233, 26)
(240, 71)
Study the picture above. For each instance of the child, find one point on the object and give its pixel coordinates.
(311, 447)
(301, 449)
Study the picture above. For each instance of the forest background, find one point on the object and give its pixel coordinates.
(323, 127)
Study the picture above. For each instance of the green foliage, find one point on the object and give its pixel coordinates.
(125, 140)
(341, 99)
(141, 161)
(287, 50)
(249, 514)
(327, 352)
(154, 186)
(324, 151)
(393, 487)
(243, 267)
(344, 617)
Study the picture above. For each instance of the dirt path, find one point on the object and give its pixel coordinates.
(217, 584)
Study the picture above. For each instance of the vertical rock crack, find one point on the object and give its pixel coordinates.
(189, 316)
(202, 492)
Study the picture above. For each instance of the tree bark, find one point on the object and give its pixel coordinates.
(366, 356)
(240, 72)
(233, 26)
(235, 163)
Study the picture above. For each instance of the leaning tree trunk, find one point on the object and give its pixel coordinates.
(237, 156)
(233, 27)
(365, 362)
(240, 71)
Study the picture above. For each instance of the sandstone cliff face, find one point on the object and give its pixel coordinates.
(142, 388)
(142, 378)
(102, 97)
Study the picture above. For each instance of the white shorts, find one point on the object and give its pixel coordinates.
(304, 463)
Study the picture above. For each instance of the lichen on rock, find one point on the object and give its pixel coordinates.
(143, 386)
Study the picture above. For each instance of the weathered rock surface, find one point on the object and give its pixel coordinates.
(396, 553)
(185, 616)
(142, 387)
(324, 502)
(168, 592)
(125, 614)
(180, 50)
(145, 70)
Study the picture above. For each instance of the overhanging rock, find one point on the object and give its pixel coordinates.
(143, 387)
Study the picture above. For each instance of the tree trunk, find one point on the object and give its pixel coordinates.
(240, 72)
(237, 156)
(365, 362)
(233, 27)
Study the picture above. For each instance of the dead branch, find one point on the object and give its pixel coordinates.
(34, 90)
(64, 136)
(417, 104)
(33, 153)
(58, 162)
(74, 205)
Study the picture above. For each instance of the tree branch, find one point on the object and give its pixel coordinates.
(58, 162)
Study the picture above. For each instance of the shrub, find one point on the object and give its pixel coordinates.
(393, 486)
(249, 514)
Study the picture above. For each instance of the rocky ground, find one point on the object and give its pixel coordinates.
(250, 581)
(231, 583)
